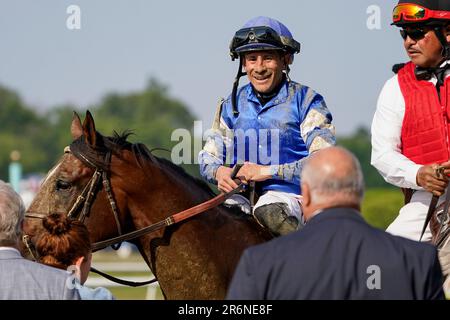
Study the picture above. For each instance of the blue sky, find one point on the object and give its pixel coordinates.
(184, 44)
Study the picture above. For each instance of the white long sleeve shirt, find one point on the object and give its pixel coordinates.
(386, 137)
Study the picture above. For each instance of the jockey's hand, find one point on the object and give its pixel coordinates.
(432, 179)
(224, 181)
(253, 172)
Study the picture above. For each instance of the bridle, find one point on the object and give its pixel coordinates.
(90, 190)
(85, 199)
(87, 196)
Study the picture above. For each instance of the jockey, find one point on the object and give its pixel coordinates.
(410, 128)
(269, 125)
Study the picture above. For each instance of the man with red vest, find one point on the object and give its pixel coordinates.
(411, 126)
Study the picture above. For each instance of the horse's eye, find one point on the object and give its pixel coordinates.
(62, 185)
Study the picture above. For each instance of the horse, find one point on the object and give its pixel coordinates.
(193, 259)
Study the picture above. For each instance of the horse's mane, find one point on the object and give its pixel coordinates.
(97, 155)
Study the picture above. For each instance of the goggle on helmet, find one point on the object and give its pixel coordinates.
(437, 11)
(261, 38)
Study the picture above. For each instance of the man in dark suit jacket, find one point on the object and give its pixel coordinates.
(337, 255)
(21, 279)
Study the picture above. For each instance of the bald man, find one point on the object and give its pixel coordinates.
(337, 255)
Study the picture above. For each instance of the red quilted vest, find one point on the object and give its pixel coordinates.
(425, 129)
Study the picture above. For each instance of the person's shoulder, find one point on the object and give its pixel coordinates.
(225, 107)
(42, 281)
(391, 97)
(391, 89)
(300, 87)
(305, 92)
(100, 293)
(277, 246)
(396, 69)
(392, 81)
(424, 246)
(412, 247)
(43, 269)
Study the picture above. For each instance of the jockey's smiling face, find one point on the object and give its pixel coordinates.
(264, 69)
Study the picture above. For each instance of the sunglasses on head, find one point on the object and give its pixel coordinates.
(415, 34)
(415, 13)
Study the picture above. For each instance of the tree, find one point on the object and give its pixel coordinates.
(20, 128)
(152, 114)
(15, 116)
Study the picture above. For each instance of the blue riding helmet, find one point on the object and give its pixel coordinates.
(263, 33)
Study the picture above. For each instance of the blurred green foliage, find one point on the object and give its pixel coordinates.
(381, 206)
(151, 114)
(359, 143)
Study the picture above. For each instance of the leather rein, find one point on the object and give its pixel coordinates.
(87, 197)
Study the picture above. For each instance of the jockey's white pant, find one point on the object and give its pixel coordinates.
(410, 220)
(291, 199)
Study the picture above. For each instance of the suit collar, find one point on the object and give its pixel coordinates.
(9, 253)
(340, 213)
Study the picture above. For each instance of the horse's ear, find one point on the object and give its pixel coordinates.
(76, 128)
(90, 135)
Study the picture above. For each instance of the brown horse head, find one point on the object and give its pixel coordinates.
(194, 259)
(67, 180)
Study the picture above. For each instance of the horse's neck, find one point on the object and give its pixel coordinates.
(195, 258)
(165, 192)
